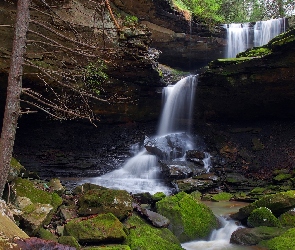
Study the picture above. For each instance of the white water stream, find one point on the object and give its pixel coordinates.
(141, 173)
(243, 36)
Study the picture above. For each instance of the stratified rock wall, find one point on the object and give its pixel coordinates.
(258, 84)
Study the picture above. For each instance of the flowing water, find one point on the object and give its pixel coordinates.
(220, 238)
(141, 172)
(243, 36)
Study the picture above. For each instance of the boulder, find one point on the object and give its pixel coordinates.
(283, 242)
(102, 228)
(278, 203)
(177, 169)
(252, 236)
(287, 219)
(189, 218)
(146, 237)
(190, 184)
(95, 201)
(262, 216)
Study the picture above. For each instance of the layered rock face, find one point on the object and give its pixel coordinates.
(258, 84)
(184, 43)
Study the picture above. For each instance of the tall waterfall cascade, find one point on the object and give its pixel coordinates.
(141, 172)
(244, 35)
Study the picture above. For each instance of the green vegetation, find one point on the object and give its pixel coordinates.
(262, 216)
(282, 242)
(130, 20)
(189, 219)
(94, 75)
(146, 237)
(223, 196)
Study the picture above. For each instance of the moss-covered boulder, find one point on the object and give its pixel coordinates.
(103, 228)
(262, 216)
(69, 241)
(283, 242)
(15, 170)
(287, 219)
(278, 203)
(252, 236)
(144, 236)
(223, 196)
(117, 202)
(189, 218)
(47, 235)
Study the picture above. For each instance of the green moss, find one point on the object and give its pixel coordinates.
(189, 219)
(223, 196)
(108, 247)
(158, 196)
(287, 219)
(101, 228)
(282, 242)
(255, 52)
(228, 61)
(146, 237)
(197, 195)
(262, 216)
(46, 235)
(69, 241)
(15, 164)
(282, 177)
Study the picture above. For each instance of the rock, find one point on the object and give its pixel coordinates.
(189, 185)
(86, 187)
(156, 219)
(283, 242)
(117, 202)
(278, 203)
(252, 236)
(146, 237)
(16, 169)
(167, 147)
(68, 212)
(189, 219)
(69, 241)
(47, 235)
(176, 169)
(56, 186)
(36, 243)
(287, 219)
(262, 216)
(22, 202)
(34, 216)
(195, 156)
(99, 229)
(222, 196)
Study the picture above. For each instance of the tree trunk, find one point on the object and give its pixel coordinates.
(12, 107)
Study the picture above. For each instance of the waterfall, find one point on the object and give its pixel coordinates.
(141, 173)
(237, 38)
(243, 36)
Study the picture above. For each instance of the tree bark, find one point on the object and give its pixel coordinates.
(12, 106)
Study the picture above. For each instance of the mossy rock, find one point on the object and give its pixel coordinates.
(282, 177)
(144, 236)
(287, 219)
(278, 203)
(252, 236)
(262, 216)
(47, 235)
(283, 242)
(86, 187)
(197, 195)
(255, 52)
(189, 219)
(223, 196)
(26, 188)
(95, 201)
(102, 228)
(158, 196)
(15, 170)
(108, 247)
(69, 241)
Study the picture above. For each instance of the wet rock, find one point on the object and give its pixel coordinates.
(99, 229)
(195, 156)
(167, 147)
(56, 186)
(117, 202)
(68, 212)
(189, 185)
(252, 236)
(176, 169)
(189, 219)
